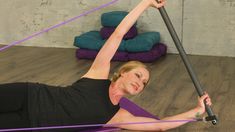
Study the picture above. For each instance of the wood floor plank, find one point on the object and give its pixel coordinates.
(169, 92)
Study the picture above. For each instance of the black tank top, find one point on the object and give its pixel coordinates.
(84, 102)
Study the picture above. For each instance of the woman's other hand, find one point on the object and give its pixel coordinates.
(201, 106)
(156, 4)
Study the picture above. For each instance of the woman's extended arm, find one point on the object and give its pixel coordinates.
(124, 116)
(101, 65)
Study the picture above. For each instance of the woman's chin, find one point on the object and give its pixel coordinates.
(133, 92)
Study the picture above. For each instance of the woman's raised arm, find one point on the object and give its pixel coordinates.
(101, 65)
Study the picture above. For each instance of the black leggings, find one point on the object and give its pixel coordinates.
(14, 105)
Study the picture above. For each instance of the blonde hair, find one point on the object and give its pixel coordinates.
(126, 68)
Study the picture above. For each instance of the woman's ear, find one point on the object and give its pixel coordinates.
(122, 73)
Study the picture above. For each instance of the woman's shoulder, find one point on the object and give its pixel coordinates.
(91, 82)
(84, 78)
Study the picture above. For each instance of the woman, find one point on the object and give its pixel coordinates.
(93, 98)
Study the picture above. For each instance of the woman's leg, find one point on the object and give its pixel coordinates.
(14, 105)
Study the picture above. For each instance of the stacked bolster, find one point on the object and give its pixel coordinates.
(111, 20)
(144, 47)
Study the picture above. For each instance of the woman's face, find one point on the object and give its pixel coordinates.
(135, 80)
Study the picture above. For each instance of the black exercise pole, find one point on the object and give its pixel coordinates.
(186, 61)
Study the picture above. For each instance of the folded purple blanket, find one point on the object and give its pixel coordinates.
(157, 51)
(106, 32)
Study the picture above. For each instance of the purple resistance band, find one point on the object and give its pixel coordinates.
(95, 125)
(56, 26)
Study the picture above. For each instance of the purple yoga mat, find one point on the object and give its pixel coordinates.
(106, 32)
(132, 108)
(157, 51)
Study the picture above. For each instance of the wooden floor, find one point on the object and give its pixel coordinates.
(170, 91)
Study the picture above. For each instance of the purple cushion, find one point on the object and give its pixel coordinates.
(157, 51)
(91, 54)
(106, 32)
(132, 108)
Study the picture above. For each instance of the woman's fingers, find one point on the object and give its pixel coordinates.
(157, 3)
(206, 98)
(208, 101)
(203, 97)
(160, 4)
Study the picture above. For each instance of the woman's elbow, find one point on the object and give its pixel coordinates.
(160, 128)
(164, 128)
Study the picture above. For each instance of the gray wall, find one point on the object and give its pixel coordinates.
(209, 27)
(205, 27)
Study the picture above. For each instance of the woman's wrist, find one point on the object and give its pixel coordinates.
(197, 112)
(148, 2)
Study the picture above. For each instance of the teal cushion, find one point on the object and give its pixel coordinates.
(143, 42)
(112, 19)
(89, 40)
(92, 40)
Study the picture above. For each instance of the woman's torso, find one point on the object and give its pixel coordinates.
(84, 102)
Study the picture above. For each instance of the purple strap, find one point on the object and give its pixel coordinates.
(95, 125)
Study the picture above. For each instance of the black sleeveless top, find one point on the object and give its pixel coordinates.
(84, 102)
